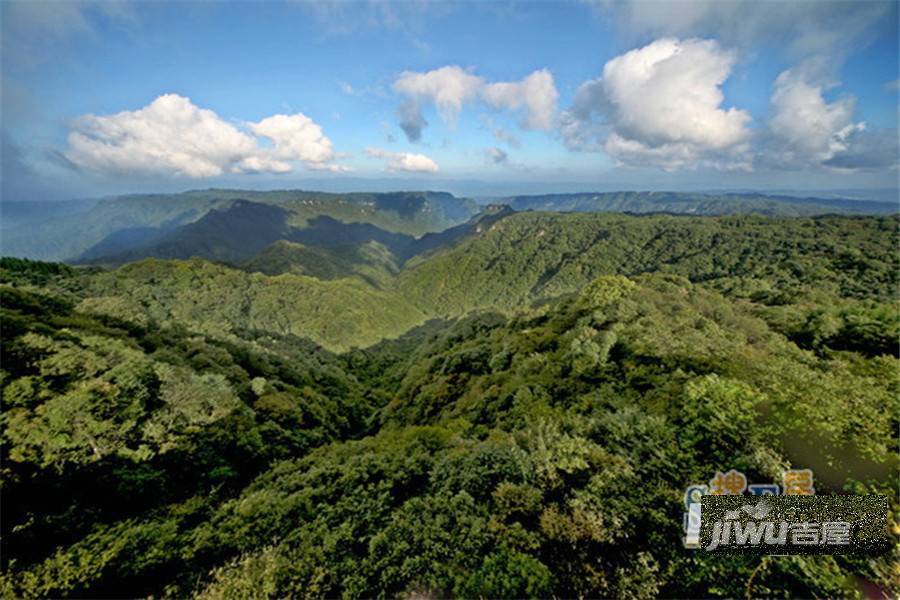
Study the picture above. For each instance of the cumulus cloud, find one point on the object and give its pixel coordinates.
(169, 135)
(809, 129)
(450, 88)
(660, 105)
(669, 92)
(404, 161)
(806, 130)
(536, 93)
(172, 136)
(296, 137)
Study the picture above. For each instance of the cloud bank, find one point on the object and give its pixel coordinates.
(172, 136)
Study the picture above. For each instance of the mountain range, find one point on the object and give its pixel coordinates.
(199, 223)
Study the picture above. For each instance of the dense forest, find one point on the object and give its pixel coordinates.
(511, 410)
(699, 204)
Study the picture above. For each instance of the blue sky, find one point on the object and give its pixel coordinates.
(114, 97)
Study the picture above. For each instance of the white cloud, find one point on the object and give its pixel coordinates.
(450, 88)
(675, 155)
(536, 93)
(169, 135)
(404, 161)
(806, 131)
(660, 105)
(255, 164)
(669, 91)
(805, 128)
(172, 136)
(296, 137)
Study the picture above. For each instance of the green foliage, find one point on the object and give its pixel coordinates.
(697, 204)
(173, 428)
(21, 271)
(372, 262)
(534, 256)
(216, 300)
(111, 428)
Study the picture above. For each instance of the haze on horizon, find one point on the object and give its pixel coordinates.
(113, 97)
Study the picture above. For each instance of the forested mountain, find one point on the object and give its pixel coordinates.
(118, 227)
(698, 204)
(217, 300)
(511, 408)
(528, 256)
(371, 261)
(507, 263)
(231, 233)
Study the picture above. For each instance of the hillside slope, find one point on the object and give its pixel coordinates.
(216, 300)
(532, 256)
(370, 261)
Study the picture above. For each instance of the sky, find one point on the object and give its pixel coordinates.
(116, 97)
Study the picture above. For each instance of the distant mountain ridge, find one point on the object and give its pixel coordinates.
(697, 204)
(232, 233)
(234, 225)
(121, 224)
(239, 232)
